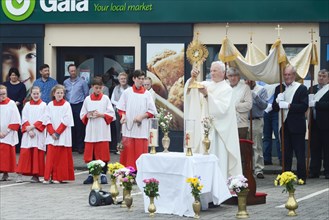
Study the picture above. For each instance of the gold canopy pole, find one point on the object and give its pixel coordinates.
(311, 69)
(226, 64)
(278, 28)
(196, 54)
(250, 112)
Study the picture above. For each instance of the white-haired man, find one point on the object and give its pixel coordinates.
(242, 99)
(215, 100)
(294, 103)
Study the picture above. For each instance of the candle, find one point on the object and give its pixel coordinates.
(153, 138)
(189, 138)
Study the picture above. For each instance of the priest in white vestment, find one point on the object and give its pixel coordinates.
(215, 100)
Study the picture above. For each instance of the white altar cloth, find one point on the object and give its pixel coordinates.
(172, 169)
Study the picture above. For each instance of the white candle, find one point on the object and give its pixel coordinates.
(189, 139)
(153, 138)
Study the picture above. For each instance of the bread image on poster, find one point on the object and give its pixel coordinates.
(165, 66)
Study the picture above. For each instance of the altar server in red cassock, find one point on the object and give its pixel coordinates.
(32, 155)
(9, 124)
(135, 106)
(97, 113)
(59, 120)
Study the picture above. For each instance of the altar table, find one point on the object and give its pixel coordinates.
(172, 169)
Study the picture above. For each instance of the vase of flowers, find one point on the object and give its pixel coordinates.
(165, 119)
(112, 167)
(126, 177)
(240, 186)
(288, 179)
(151, 189)
(95, 168)
(207, 125)
(196, 187)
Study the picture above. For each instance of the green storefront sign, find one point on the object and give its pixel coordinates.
(162, 11)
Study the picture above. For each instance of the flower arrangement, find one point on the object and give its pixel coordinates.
(126, 177)
(95, 167)
(165, 119)
(151, 188)
(237, 183)
(196, 186)
(207, 124)
(112, 167)
(287, 179)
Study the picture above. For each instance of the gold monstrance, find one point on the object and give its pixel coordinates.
(196, 54)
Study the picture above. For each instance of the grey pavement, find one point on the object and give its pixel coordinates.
(70, 201)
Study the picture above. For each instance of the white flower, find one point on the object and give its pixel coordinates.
(237, 183)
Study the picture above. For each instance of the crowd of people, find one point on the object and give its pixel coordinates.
(58, 119)
(256, 109)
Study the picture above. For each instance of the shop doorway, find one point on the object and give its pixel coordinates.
(96, 61)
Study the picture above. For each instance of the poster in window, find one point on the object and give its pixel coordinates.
(22, 56)
(165, 66)
(85, 74)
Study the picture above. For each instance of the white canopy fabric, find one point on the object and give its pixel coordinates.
(303, 60)
(254, 54)
(256, 66)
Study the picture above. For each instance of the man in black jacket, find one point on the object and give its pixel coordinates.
(319, 116)
(293, 101)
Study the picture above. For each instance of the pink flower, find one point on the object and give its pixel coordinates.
(147, 181)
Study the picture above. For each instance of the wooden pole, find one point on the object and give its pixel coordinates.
(250, 124)
(311, 69)
(282, 122)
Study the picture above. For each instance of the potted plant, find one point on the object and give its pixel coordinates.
(151, 189)
(165, 119)
(239, 184)
(95, 168)
(288, 179)
(196, 187)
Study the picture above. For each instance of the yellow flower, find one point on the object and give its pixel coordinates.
(300, 181)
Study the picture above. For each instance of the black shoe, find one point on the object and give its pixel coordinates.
(89, 180)
(313, 176)
(326, 176)
(80, 151)
(260, 176)
(103, 179)
(268, 163)
(211, 205)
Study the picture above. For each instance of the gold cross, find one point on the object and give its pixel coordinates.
(278, 29)
(311, 32)
(227, 26)
(251, 33)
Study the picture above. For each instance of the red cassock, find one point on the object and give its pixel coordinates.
(9, 123)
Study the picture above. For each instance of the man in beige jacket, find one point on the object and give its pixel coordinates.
(242, 99)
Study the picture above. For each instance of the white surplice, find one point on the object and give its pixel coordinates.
(97, 129)
(32, 114)
(9, 114)
(138, 104)
(224, 135)
(56, 115)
